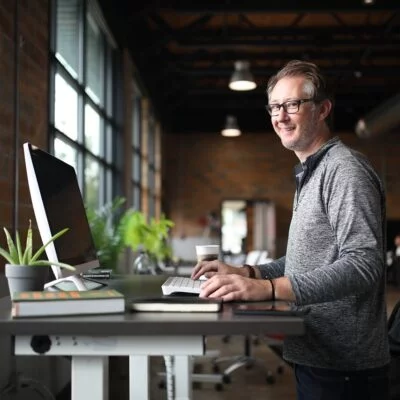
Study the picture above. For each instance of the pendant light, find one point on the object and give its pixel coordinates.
(231, 127)
(242, 79)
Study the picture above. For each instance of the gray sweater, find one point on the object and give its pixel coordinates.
(335, 262)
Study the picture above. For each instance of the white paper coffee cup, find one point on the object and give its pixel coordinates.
(207, 252)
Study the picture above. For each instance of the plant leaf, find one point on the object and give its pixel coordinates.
(29, 245)
(19, 248)
(50, 263)
(7, 256)
(41, 250)
(12, 250)
(27, 256)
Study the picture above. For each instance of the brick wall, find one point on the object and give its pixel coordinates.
(33, 48)
(199, 171)
(203, 170)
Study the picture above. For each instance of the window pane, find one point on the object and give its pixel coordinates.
(109, 144)
(151, 146)
(136, 121)
(95, 62)
(92, 182)
(67, 43)
(136, 197)
(136, 168)
(66, 108)
(66, 153)
(151, 206)
(92, 130)
(110, 77)
(151, 179)
(109, 186)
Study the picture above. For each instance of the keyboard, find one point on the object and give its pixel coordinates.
(181, 284)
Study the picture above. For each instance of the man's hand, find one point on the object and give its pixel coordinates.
(211, 268)
(231, 287)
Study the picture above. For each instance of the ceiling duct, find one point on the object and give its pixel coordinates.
(381, 120)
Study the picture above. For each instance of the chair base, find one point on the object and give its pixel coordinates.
(239, 362)
(196, 376)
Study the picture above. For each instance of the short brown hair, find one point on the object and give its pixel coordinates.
(317, 84)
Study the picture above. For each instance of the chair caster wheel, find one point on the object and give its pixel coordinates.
(225, 339)
(226, 379)
(216, 369)
(280, 370)
(219, 387)
(270, 379)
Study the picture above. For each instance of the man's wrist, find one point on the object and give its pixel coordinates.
(251, 272)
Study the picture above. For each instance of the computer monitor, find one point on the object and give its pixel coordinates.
(58, 204)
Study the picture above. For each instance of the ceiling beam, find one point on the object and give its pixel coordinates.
(300, 41)
(367, 70)
(291, 6)
(205, 56)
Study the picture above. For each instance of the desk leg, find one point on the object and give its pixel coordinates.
(183, 377)
(139, 378)
(89, 378)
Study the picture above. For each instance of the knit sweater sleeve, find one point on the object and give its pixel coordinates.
(274, 269)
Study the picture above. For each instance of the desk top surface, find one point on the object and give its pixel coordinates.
(146, 323)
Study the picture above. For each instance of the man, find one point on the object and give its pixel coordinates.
(334, 262)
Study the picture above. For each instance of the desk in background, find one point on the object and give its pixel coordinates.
(90, 340)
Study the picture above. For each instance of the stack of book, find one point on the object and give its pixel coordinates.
(45, 304)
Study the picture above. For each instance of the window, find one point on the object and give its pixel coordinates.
(137, 148)
(85, 131)
(146, 156)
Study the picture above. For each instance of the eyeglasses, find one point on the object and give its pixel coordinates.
(290, 107)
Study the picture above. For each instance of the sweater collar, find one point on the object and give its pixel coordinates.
(311, 161)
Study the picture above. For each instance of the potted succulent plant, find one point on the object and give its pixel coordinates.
(24, 269)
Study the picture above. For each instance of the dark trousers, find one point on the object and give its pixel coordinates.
(326, 384)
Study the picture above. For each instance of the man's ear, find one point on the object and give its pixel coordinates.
(325, 109)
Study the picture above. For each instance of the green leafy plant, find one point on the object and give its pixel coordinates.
(16, 255)
(107, 231)
(150, 237)
(114, 229)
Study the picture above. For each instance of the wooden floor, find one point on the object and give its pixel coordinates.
(246, 383)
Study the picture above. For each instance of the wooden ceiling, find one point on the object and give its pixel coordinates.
(185, 53)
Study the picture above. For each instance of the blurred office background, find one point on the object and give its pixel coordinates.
(135, 95)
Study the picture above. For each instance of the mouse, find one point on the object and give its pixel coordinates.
(203, 278)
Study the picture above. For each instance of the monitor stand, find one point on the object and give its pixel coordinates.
(73, 282)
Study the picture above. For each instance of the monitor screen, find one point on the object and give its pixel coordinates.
(58, 204)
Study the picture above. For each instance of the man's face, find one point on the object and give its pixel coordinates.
(300, 131)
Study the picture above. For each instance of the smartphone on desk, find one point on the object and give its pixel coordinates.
(277, 308)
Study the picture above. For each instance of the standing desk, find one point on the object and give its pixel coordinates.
(90, 340)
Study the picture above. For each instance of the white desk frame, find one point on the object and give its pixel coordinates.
(90, 361)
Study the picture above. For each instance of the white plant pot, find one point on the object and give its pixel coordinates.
(25, 277)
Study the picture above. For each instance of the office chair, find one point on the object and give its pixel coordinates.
(197, 377)
(244, 360)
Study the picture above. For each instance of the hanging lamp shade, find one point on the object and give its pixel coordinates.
(231, 127)
(242, 79)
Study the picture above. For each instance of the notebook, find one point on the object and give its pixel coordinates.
(171, 303)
